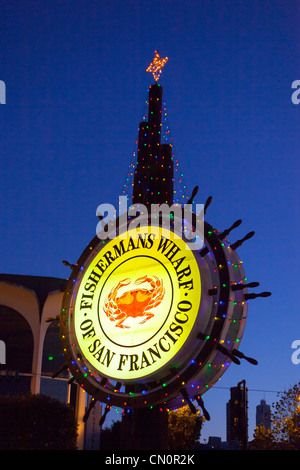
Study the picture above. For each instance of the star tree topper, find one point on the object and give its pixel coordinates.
(156, 66)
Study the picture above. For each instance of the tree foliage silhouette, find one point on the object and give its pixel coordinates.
(285, 423)
(36, 422)
(184, 429)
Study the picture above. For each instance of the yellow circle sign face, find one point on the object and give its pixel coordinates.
(136, 303)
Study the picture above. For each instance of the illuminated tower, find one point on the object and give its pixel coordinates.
(153, 176)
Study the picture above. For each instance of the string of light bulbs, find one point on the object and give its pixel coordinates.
(180, 191)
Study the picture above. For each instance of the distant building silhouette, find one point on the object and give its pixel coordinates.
(214, 442)
(263, 415)
(237, 416)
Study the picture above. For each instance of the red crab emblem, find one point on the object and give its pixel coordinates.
(134, 303)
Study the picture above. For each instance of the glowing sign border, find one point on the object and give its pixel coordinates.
(225, 314)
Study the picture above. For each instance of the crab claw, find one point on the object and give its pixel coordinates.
(140, 280)
(125, 282)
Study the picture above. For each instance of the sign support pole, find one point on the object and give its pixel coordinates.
(145, 429)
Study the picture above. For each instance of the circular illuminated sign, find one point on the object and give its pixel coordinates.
(136, 303)
(146, 320)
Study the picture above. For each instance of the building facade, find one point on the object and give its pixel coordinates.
(263, 415)
(33, 350)
(237, 416)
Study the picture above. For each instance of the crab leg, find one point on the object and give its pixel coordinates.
(111, 309)
(148, 316)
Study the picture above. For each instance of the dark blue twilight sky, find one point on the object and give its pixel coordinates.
(76, 88)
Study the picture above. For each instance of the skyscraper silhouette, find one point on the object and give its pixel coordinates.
(263, 415)
(237, 416)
